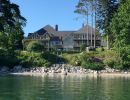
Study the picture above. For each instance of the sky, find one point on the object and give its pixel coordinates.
(49, 12)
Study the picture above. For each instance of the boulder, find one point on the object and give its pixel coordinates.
(4, 69)
(17, 68)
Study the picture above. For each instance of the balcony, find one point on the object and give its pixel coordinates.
(77, 45)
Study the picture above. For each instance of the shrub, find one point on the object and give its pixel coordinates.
(73, 59)
(100, 49)
(30, 59)
(92, 63)
(35, 46)
(83, 47)
(7, 58)
(53, 58)
(109, 62)
(112, 60)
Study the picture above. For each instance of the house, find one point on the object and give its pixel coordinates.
(52, 38)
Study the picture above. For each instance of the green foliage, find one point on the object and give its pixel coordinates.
(31, 59)
(90, 61)
(99, 60)
(100, 49)
(105, 12)
(94, 66)
(120, 25)
(3, 40)
(8, 58)
(83, 47)
(26, 59)
(120, 30)
(72, 59)
(11, 26)
(35, 46)
(51, 57)
(10, 14)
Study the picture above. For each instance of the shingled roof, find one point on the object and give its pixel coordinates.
(63, 34)
(45, 29)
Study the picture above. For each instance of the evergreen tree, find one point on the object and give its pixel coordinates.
(120, 28)
(11, 25)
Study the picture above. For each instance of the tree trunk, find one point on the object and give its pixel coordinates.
(107, 41)
(92, 24)
(87, 30)
(95, 24)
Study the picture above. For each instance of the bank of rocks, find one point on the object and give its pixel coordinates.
(58, 68)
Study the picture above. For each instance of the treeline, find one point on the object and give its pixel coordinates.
(112, 19)
(11, 31)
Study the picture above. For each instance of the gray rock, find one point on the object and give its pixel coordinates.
(17, 68)
(4, 69)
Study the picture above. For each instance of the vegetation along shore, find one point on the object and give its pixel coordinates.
(31, 54)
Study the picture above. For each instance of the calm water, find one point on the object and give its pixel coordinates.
(64, 88)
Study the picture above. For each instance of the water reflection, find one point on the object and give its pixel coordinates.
(57, 87)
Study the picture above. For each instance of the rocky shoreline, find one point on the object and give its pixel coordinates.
(63, 69)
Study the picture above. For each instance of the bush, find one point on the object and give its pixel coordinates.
(35, 46)
(100, 49)
(73, 59)
(89, 61)
(94, 65)
(109, 62)
(83, 47)
(112, 60)
(53, 58)
(8, 58)
(31, 59)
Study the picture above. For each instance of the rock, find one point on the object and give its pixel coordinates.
(95, 72)
(17, 68)
(4, 69)
(63, 72)
(125, 72)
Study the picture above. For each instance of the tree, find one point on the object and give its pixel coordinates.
(88, 9)
(11, 25)
(83, 9)
(7, 11)
(120, 28)
(35, 46)
(105, 12)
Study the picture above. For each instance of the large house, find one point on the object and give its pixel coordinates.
(52, 38)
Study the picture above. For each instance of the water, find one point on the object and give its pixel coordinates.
(64, 88)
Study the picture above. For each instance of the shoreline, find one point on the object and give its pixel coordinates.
(73, 74)
(63, 69)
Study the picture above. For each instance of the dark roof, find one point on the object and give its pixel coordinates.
(45, 29)
(63, 34)
(49, 29)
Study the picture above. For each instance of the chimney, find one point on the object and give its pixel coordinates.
(56, 27)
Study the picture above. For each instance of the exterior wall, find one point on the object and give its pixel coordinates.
(68, 42)
(56, 44)
(81, 38)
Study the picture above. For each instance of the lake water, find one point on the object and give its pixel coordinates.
(64, 88)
